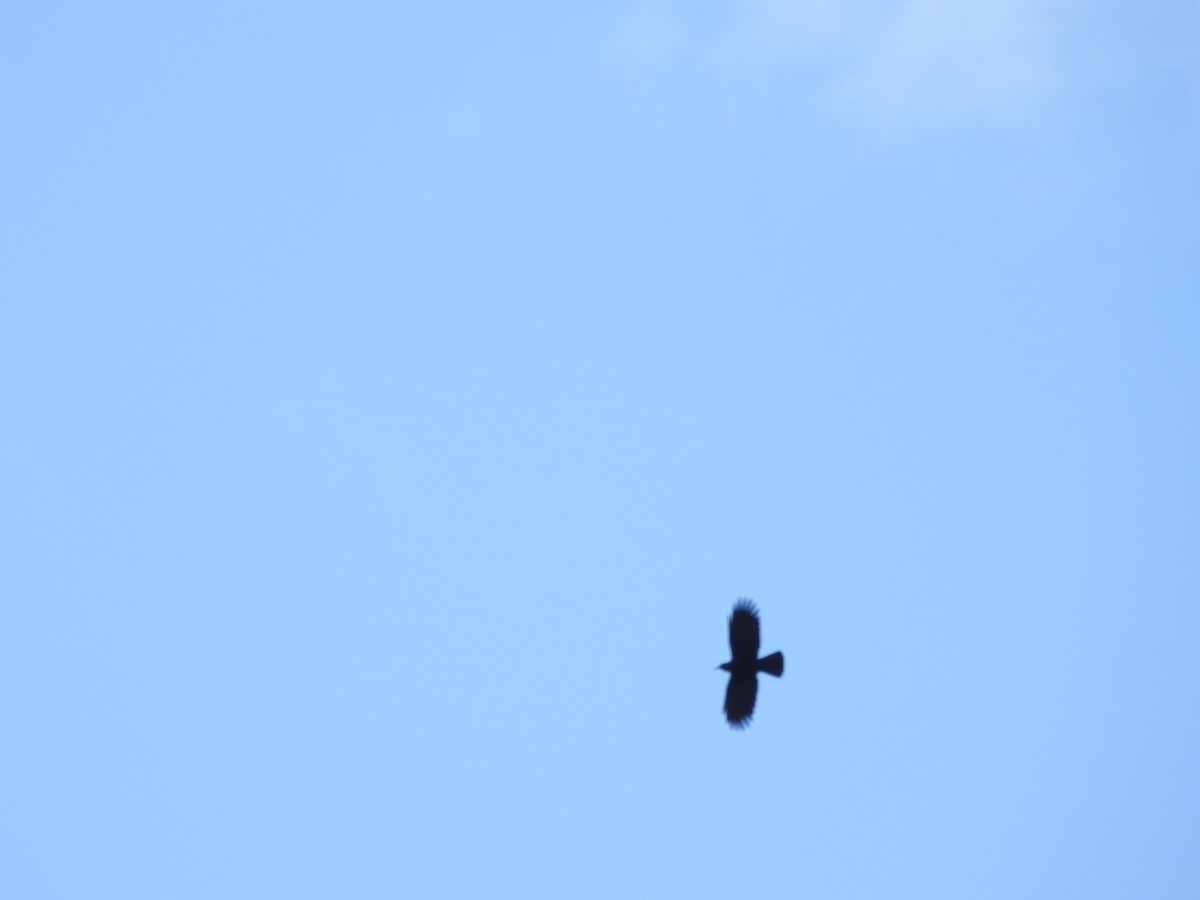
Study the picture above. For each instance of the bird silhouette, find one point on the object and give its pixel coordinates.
(743, 669)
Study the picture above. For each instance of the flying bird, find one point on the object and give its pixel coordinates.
(743, 669)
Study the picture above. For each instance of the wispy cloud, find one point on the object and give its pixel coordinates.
(890, 59)
(946, 56)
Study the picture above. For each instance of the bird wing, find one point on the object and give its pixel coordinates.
(743, 632)
(739, 699)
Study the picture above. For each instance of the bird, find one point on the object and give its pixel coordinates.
(743, 669)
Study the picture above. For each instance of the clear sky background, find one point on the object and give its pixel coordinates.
(396, 397)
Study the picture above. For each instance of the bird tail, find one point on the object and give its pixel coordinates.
(772, 665)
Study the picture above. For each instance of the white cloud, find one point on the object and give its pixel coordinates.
(948, 56)
(893, 59)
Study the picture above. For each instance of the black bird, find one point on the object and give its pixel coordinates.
(743, 669)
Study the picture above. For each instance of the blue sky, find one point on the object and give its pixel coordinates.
(396, 400)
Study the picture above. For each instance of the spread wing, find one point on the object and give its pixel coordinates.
(743, 634)
(739, 699)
